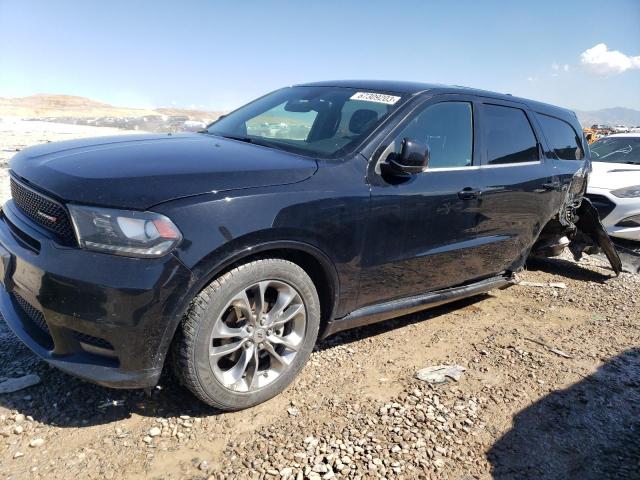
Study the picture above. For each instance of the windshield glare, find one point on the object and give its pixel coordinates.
(616, 150)
(322, 121)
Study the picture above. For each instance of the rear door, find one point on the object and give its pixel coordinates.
(520, 183)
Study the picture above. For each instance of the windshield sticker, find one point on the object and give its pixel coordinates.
(375, 97)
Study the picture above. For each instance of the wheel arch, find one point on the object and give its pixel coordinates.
(310, 258)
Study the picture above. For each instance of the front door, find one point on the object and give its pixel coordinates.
(422, 233)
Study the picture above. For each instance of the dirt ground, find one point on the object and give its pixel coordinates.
(551, 390)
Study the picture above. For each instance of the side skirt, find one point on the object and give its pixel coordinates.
(405, 306)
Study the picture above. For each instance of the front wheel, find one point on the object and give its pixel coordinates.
(248, 334)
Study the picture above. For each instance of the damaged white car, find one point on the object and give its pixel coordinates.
(614, 184)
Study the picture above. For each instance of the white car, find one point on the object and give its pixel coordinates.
(614, 184)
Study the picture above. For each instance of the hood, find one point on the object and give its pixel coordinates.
(611, 176)
(139, 171)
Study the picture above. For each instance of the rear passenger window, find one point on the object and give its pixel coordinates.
(509, 136)
(562, 138)
(447, 128)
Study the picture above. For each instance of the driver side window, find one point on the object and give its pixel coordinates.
(447, 128)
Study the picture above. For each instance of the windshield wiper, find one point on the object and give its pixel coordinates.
(252, 140)
(237, 137)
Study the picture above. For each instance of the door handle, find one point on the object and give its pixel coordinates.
(469, 193)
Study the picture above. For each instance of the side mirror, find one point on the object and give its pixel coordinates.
(413, 158)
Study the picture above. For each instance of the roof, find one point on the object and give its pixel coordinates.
(414, 88)
(383, 85)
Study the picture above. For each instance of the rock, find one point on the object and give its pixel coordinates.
(320, 468)
(36, 442)
(18, 429)
(154, 431)
(18, 455)
(286, 472)
(293, 411)
(19, 418)
(204, 466)
(147, 439)
(440, 373)
(20, 383)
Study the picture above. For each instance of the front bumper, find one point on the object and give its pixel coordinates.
(103, 318)
(615, 209)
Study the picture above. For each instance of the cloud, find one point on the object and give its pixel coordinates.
(602, 61)
(557, 67)
(532, 79)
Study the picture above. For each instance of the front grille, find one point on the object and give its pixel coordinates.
(44, 211)
(602, 204)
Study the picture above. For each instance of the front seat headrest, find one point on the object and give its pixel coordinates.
(361, 120)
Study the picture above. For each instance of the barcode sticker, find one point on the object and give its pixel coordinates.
(375, 97)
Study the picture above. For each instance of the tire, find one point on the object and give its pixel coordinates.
(222, 352)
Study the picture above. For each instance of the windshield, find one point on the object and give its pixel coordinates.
(322, 121)
(616, 150)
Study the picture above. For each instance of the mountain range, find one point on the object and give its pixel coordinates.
(610, 116)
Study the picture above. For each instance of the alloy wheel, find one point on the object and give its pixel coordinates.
(257, 336)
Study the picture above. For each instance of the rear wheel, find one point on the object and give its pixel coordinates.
(248, 334)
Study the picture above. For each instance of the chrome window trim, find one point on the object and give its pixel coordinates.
(478, 167)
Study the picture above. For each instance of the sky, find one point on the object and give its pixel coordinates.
(214, 55)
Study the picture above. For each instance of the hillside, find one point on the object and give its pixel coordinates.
(69, 106)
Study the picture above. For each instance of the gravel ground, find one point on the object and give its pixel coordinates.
(551, 390)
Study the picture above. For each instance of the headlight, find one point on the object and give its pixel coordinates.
(627, 192)
(122, 232)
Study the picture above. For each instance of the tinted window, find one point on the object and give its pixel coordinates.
(510, 138)
(616, 150)
(321, 121)
(562, 138)
(447, 128)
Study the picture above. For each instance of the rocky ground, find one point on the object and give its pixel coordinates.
(551, 390)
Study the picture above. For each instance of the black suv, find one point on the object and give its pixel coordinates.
(311, 210)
